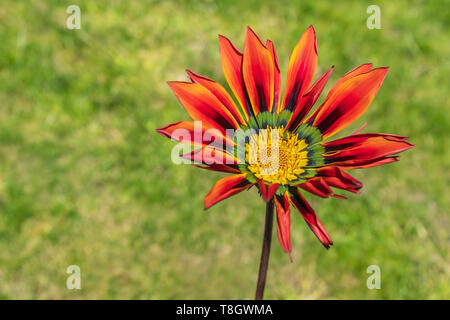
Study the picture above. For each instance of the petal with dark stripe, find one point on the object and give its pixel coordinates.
(338, 178)
(354, 72)
(355, 140)
(203, 106)
(364, 164)
(226, 187)
(188, 133)
(277, 78)
(219, 168)
(318, 187)
(258, 73)
(284, 222)
(308, 100)
(361, 149)
(348, 100)
(232, 69)
(210, 155)
(267, 192)
(220, 93)
(302, 66)
(311, 218)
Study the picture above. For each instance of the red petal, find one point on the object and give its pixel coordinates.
(218, 168)
(202, 105)
(258, 73)
(232, 69)
(354, 72)
(338, 178)
(361, 148)
(302, 67)
(318, 187)
(284, 222)
(311, 219)
(186, 132)
(348, 100)
(225, 188)
(308, 100)
(210, 155)
(267, 192)
(369, 163)
(277, 77)
(220, 93)
(358, 139)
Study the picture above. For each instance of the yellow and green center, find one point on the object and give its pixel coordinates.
(276, 155)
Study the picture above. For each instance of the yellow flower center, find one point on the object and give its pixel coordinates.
(276, 155)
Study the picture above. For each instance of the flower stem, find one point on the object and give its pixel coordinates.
(265, 253)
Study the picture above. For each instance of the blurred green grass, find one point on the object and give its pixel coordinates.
(84, 178)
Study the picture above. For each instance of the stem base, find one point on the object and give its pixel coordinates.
(265, 252)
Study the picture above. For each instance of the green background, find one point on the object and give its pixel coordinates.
(86, 180)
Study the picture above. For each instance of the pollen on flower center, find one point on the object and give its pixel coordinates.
(276, 155)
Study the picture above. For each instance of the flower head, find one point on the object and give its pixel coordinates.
(274, 142)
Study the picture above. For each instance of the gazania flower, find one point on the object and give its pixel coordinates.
(305, 161)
